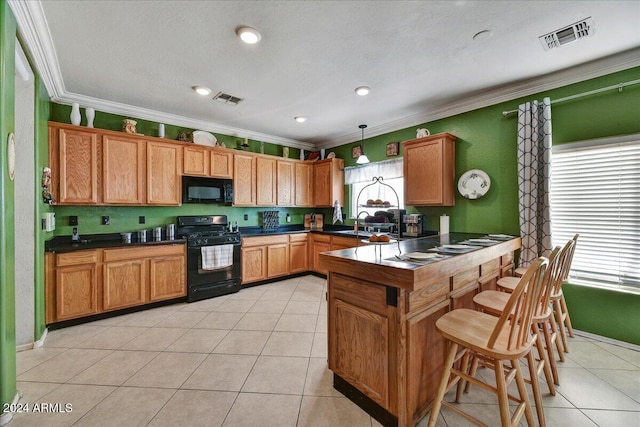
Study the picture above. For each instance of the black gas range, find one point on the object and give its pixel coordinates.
(213, 256)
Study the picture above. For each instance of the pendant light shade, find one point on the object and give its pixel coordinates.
(362, 158)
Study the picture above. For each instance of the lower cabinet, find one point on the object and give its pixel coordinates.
(298, 253)
(319, 243)
(265, 257)
(83, 283)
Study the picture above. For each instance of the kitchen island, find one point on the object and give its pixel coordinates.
(384, 350)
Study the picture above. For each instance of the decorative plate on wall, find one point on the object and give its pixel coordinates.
(474, 184)
(204, 138)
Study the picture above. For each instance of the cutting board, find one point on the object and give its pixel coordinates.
(318, 223)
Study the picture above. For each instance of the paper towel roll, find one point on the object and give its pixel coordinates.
(444, 224)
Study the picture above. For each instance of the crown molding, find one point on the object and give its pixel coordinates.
(34, 32)
(598, 68)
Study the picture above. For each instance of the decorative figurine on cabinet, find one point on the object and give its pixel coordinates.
(46, 187)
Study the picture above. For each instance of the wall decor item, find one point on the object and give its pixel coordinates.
(393, 148)
(285, 152)
(421, 133)
(11, 156)
(301, 154)
(129, 126)
(91, 114)
(245, 144)
(46, 186)
(75, 114)
(474, 184)
(160, 130)
(322, 155)
(312, 155)
(204, 138)
(356, 151)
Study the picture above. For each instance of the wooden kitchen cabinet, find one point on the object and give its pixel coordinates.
(341, 242)
(286, 183)
(167, 272)
(76, 159)
(244, 182)
(303, 184)
(264, 257)
(76, 285)
(164, 171)
(123, 167)
(196, 161)
(318, 243)
(221, 163)
(429, 171)
(87, 282)
(124, 282)
(266, 181)
(328, 182)
(298, 253)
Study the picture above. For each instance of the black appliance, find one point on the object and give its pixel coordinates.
(207, 190)
(207, 232)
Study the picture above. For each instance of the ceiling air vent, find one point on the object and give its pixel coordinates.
(569, 34)
(227, 99)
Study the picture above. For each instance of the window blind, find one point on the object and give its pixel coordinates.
(595, 191)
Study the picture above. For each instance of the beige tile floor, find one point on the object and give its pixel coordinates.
(258, 358)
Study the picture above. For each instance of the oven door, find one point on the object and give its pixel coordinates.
(203, 284)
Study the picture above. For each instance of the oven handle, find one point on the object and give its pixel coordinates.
(204, 288)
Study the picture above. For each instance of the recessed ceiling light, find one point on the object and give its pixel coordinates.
(482, 35)
(201, 90)
(248, 35)
(300, 119)
(363, 90)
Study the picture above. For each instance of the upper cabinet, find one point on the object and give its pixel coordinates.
(429, 171)
(203, 161)
(286, 183)
(244, 179)
(76, 152)
(221, 163)
(303, 184)
(164, 171)
(123, 166)
(328, 182)
(266, 181)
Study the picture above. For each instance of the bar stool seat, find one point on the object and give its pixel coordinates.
(508, 284)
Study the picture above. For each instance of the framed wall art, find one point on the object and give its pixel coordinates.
(393, 148)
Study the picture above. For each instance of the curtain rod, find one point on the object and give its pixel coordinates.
(619, 86)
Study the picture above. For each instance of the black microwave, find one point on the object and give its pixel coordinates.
(207, 190)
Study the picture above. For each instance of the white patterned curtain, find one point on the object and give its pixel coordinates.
(534, 157)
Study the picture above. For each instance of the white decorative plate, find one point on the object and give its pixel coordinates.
(204, 138)
(420, 256)
(474, 184)
(500, 236)
(482, 241)
(457, 247)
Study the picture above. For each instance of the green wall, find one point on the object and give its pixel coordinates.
(7, 267)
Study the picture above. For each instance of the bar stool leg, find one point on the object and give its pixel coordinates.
(567, 318)
(535, 385)
(444, 381)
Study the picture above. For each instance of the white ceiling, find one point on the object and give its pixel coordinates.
(141, 58)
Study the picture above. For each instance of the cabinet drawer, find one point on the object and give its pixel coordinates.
(321, 238)
(426, 296)
(300, 237)
(265, 240)
(142, 252)
(77, 258)
(343, 242)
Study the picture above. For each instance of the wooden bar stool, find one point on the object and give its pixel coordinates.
(543, 323)
(496, 340)
(557, 297)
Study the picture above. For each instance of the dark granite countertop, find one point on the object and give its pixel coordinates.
(61, 244)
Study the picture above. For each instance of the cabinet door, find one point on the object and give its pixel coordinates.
(277, 260)
(328, 182)
(303, 184)
(298, 257)
(244, 180)
(196, 161)
(122, 170)
(221, 164)
(286, 183)
(464, 297)
(76, 291)
(317, 248)
(164, 170)
(254, 264)
(429, 167)
(167, 277)
(265, 181)
(124, 284)
(78, 160)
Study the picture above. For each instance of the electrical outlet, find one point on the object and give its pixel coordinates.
(246, 217)
(106, 220)
(141, 219)
(73, 220)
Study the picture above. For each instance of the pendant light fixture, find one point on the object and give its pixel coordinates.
(362, 158)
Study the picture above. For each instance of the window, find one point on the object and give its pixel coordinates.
(361, 176)
(595, 191)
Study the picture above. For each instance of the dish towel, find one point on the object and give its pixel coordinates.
(216, 257)
(337, 212)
